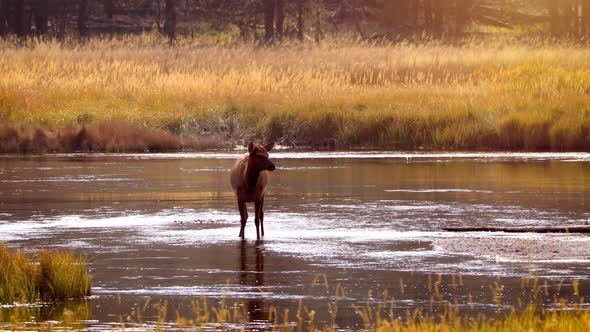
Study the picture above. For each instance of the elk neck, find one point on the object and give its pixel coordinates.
(251, 175)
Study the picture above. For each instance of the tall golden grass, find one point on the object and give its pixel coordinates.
(18, 277)
(56, 276)
(63, 275)
(480, 95)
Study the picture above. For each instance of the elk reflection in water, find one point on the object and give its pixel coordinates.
(252, 276)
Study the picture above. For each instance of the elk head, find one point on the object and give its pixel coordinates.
(259, 157)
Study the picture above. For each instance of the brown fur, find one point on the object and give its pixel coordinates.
(249, 179)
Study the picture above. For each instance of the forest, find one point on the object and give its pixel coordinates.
(272, 21)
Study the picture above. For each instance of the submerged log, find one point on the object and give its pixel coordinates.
(544, 229)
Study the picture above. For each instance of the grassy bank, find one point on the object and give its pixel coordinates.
(45, 276)
(480, 95)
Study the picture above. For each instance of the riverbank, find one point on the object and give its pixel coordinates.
(138, 94)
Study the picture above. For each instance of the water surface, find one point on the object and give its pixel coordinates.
(165, 226)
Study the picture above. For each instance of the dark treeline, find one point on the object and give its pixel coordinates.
(271, 21)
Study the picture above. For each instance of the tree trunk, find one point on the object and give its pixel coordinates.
(438, 10)
(170, 24)
(428, 15)
(553, 9)
(300, 26)
(318, 26)
(578, 16)
(269, 19)
(108, 8)
(415, 15)
(158, 16)
(462, 11)
(27, 21)
(61, 21)
(41, 11)
(280, 21)
(3, 17)
(83, 18)
(19, 18)
(189, 13)
(585, 17)
(567, 17)
(399, 15)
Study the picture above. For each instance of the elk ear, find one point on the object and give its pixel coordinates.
(269, 146)
(251, 147)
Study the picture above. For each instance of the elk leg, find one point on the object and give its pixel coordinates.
(257, 208)
(243, 217)
(262, 216)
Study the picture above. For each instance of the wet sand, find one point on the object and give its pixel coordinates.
(526, 247)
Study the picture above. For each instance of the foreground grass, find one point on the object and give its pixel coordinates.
(57, 276)
(220, 317)
(65, 315)
(563, 315)
(526, 321)
(533, 311)
(567, 312)
(495, 95)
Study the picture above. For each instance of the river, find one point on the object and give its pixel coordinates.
(164, 227)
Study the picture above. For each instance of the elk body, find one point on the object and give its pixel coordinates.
(248, 180)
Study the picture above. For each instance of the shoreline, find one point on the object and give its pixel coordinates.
(122, 137)
(126, 137)
(352, 153)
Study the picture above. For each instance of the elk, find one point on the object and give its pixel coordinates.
(249, 179)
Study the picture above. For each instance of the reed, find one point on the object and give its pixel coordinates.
(570, 315)
(66, 315)
(478, 95)
(448, 310)
(567, 312)
(64, 275)
(56, 276)
(18, 277)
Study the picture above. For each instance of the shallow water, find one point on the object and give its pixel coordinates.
(165, 226)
